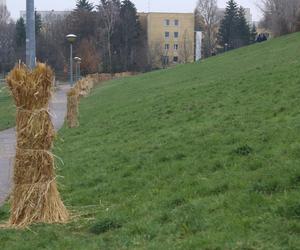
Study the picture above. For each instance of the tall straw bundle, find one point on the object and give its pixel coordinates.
(90, 82)
(84, 90)
(35, 197)
(72, 108)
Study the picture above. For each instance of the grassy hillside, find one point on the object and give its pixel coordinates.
(7, 109)
(202, 156)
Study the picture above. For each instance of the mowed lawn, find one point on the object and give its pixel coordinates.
(201, 156)
(7, 109)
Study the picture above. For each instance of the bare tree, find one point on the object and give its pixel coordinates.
(4, 15)
(109, 11)
(280, 16)
(7, 40)
(206, 13)
(186, 49)
(155, 54)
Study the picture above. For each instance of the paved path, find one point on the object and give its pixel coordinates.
(58, 109)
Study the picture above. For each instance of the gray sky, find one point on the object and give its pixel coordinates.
(15, 6)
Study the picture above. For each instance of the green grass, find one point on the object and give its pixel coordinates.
(7, 109)
(202, 156)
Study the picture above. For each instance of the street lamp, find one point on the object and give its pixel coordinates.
(30, 34)
(226, 47)
(78, 61)
(71, 39)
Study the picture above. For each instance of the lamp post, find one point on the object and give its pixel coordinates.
(71, 39)
(226, 47)
(78, 62)
(30, 34)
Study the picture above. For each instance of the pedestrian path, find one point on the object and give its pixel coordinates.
(58, 109)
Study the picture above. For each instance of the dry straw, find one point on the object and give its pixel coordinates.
(35, 198)
(81, 89)
(72, 108)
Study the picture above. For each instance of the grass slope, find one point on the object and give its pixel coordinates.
(7, 109)
(203, 156)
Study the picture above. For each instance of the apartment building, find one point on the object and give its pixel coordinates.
(170, 37)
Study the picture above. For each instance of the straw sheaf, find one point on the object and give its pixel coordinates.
(35, 197)
(103, 77)
(72, 108)
(31, 89)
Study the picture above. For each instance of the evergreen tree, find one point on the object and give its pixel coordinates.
(243, 35)
(20, 32)
(227, 31)
(82, 21)
(84, 5)
(129, 32)
(21, 29)
(253, 34)
(234, 29)
(38, 23)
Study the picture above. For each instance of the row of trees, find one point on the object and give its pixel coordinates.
(229, 30)
(281, 16)
(109, 38)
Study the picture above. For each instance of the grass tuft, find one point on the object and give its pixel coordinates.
(104, 226)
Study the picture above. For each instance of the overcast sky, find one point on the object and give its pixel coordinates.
(15, 6)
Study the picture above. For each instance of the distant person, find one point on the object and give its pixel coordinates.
(262, 37)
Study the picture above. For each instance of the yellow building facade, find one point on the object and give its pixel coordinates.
(170, 37)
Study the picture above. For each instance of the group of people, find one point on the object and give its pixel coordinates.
(262, 37)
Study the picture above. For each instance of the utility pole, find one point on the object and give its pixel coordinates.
(30, 34)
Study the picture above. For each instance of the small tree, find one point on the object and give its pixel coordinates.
(155, 55)
(185, 51)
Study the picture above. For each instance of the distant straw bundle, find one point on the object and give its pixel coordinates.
(72, 108)
(90, 82)
(35, 197)
(82, 88)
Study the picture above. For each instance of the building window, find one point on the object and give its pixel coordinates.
(175, 59)
(167, 22)
(167, 46)
(176, 34)
(176, 22)
(176, 46)
(167, 34)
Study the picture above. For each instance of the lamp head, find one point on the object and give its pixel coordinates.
(71, 38)
(77, 59)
